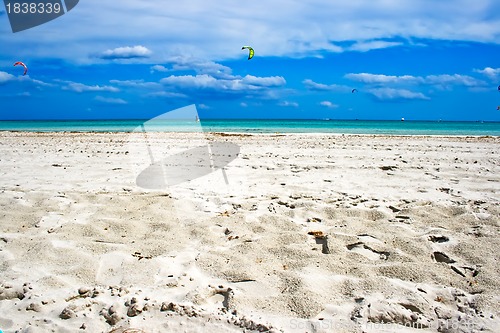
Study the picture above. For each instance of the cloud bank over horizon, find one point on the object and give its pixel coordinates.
(216, 29)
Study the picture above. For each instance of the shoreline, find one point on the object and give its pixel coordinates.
(258, 134)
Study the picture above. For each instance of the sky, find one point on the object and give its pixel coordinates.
(135, 59)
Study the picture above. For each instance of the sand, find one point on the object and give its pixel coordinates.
(300, 233)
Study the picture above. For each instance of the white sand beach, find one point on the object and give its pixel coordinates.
(298, 233)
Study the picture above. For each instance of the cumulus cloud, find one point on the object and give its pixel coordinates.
(126, 52)
(198, 82)
(109, 100)
(446, 80)
(272, 81)
(159, 68)
(199, 66)
(442, 80)
(383, 79)
(491, 73)
(194, 87)
(80, 87)
(328, 104)
(391, 94)
(213, 87)
(6, 77)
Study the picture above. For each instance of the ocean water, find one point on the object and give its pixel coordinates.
(389, 127)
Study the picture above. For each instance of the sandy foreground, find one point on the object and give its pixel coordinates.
(299, 233)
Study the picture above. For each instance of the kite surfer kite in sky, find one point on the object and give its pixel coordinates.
(354, 90)
(250, 51)
(18, 63)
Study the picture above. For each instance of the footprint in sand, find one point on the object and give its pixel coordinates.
(222, 296)
(442, 257)
(50, 221)
(368, 252)
(110, 271)
(461, 269)
(438, 239)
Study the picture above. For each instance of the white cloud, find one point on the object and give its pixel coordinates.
(446, 80)
(243, 104)
(194, 86)
(108, 100)
(203, 106)
(442, 80)
(159, 68)
(491, 73)
(328, 104)
(214, 87)
(167, 94)
(36, 82)
(126, 52)
(199, 66)
(136, 84)
(216, 29)
(383, 79)
(390, 94)
(80, 87)
(272, 81)
(364, 46)
(6, 77)
(289, 104)
(314, 86)
(198, 82)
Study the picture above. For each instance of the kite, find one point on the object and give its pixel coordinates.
(354, 90)
(22, 64)
(250, 51)
(498, 88)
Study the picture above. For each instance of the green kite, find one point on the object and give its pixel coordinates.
(250, 51)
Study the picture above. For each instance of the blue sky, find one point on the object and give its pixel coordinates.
(421, 59)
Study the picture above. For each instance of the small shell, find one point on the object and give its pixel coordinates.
(317, 234)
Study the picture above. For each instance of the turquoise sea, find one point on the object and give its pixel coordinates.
(390, 127)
